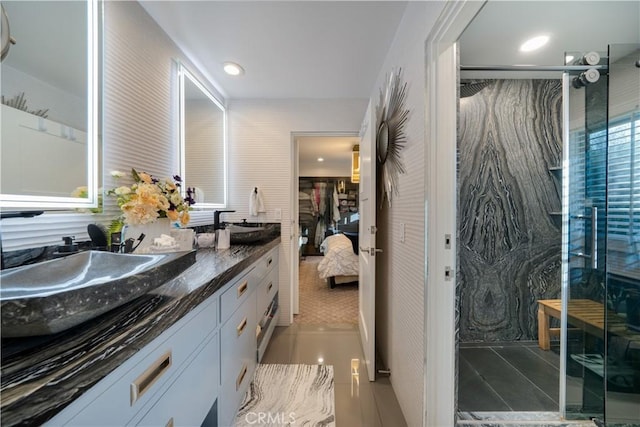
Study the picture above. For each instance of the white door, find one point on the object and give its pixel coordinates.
(367, 238)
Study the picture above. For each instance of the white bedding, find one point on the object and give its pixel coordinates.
(339, 259)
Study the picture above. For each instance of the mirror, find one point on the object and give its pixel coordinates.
(48, 143)
(203, 142)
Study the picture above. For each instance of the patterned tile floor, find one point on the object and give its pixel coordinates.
(318, 303)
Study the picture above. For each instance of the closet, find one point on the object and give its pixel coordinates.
(326, 205)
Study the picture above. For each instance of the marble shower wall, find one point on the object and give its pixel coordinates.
(510, 138)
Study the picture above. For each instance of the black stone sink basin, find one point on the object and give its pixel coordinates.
(52, 296)
(241, 234)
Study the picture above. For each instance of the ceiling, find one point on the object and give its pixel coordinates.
(335, 49)
(289, 49)
(335, 150)
(496, 33)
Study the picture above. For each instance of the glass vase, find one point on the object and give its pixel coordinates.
(150, 231)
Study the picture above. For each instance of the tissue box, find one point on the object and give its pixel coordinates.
(185, 238)
(206, 240)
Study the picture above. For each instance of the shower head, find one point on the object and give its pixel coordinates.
(471, 87)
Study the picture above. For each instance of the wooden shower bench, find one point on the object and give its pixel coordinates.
(582, 314)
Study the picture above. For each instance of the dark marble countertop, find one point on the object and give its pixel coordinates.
(42, 375)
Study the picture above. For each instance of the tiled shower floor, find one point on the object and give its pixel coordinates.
(508, 377)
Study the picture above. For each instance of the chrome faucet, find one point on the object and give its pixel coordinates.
(216, 219)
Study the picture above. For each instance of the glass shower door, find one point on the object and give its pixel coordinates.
(601, 287)
(622, 274)
(584, 248)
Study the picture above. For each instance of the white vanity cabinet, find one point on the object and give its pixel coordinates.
(239, 334)
(267, 309)
(201, 365)
(191, 396)
(142, 378)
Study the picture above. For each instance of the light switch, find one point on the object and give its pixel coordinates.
(402, 232)
(278, 213)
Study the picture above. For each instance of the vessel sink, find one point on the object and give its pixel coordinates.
(53, 296)
(246, 234)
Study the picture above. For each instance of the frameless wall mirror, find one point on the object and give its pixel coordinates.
(203, 142)
(48, 144)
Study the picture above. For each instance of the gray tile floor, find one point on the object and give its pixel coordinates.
(357, 401)
(507, 377)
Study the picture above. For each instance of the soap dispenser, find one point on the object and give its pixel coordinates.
(223, 238)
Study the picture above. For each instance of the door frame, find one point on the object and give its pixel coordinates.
(441, 115)
(294, 208)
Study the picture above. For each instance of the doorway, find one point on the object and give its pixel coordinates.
(442, 236)
(327, 223)
(510, 360)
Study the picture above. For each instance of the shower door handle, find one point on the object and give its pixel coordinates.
(594, 237)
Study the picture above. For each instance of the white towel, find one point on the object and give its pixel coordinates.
(336, 206)
(256, 202)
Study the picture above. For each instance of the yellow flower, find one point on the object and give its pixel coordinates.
(172, 215)
(145, 177)
(170, 185)
(147, 199)
(185, 218)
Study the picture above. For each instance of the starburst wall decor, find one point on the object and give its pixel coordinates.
(391, 118)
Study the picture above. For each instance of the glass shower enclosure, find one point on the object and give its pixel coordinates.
(600, 305)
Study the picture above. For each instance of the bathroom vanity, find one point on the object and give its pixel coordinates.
(179, 355)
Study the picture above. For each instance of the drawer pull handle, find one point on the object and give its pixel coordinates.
(243, 372)
(243, 288)
(269, 262)
(169, 423)
(241, 326)
(141, 384)
(269, 287)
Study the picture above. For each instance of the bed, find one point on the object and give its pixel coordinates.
(340, 262)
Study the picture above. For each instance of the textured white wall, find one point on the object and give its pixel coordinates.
(400, 275)
(260, 155)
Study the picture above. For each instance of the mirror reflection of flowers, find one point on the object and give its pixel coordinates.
(148, 199)
(83, 193)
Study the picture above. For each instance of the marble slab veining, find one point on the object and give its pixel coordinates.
(306, 397)
(56, 295)
(510, 138)
(41, 376)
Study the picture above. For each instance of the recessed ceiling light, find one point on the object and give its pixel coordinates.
(233, 69)
(320, 159)
(534, 43)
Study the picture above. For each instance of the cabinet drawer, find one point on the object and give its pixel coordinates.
(265, 264)
(237, 293)
(146, 373)
(238, 338)
(238, 358)
(266, 291)
(191, 395)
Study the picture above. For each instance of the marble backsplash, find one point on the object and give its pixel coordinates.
(510, 138)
